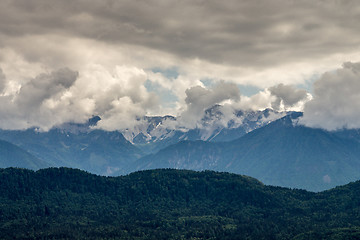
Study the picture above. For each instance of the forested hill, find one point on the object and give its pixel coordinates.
(60, 203)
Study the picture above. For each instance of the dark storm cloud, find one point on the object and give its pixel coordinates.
(250, 33)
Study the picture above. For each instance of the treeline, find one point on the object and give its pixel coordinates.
(63, 203)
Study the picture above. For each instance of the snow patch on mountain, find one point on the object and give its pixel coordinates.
(217, 124)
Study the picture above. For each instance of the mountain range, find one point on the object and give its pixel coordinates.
(77, 146)
(155, 133)
(268, 145)
(281, 153)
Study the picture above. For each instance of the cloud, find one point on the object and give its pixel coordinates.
(44, 87)
(234, 32)
(258, 101)
(50, 99)
(280, 97)
(336, 100)
(36, 101)
(124, 100)
(258, 43)
(2, 81)
(286, 95)
(198, 99)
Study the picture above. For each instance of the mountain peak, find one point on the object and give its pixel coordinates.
(93, 121)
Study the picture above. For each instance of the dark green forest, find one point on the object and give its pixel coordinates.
(63, 203)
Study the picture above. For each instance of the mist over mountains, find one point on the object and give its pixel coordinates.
(154, 133)
(268, 145)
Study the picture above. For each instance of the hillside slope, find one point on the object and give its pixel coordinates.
(13, 156)
(167, 204)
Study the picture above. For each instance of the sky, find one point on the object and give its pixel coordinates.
(65, 61)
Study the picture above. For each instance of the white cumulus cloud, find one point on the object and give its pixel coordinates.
(336, 100)
(50, 99)
(198, 99)
(36, 103)
(286, 96)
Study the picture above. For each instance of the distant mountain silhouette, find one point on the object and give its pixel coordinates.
(281, 153)
(77, 146)
(14, 156)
